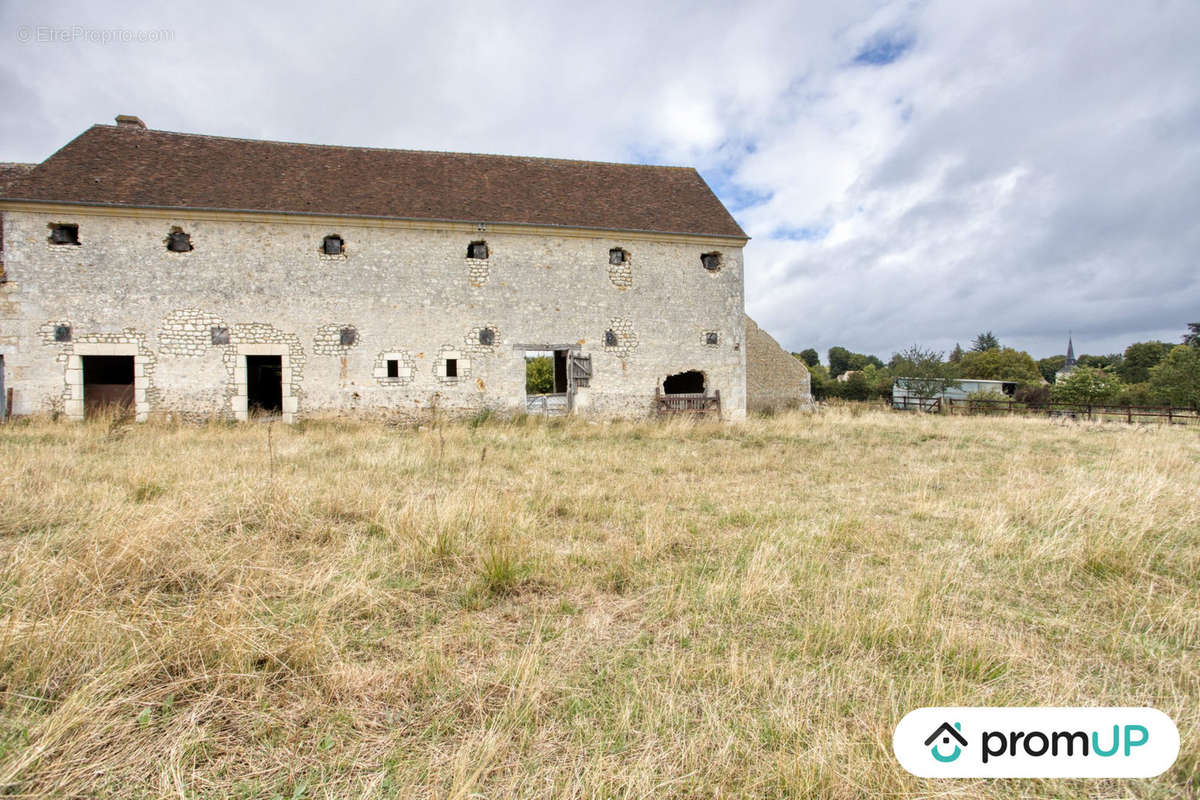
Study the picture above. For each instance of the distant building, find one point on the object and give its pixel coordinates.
(1069, 365)
(903, 397)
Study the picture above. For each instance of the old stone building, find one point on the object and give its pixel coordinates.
(202, 276)
(775, 379)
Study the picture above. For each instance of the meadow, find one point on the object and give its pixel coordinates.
(565, 608)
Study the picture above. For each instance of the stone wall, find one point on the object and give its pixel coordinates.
(408, 293)
(775, 379)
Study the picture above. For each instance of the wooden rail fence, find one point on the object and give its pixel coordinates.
(1170, 415)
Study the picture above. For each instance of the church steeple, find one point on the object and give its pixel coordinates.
(1070, 362)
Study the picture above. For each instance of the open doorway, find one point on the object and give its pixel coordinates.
(107, 384)
(546, 389)
(264, 384)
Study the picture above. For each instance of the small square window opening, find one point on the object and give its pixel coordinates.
(393, 368)
(63, 233)
(178, 241)
(220, 335)
(347, 337)
(333, 245)
(62, 333)
(451, 367)
(711, 337)
(487, 337)
(477, 250)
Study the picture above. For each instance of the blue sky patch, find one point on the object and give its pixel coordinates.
(884, 49)
(804, 233)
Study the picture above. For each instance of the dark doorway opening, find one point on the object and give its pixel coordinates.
(690, 382)
(560, 370)
(107, 384)
(264, 384)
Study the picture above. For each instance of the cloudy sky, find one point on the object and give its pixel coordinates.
(909, 171)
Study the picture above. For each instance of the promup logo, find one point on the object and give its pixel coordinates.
(946, 732)
(1036, 742)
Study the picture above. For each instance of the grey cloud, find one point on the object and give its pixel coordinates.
(1024, 167)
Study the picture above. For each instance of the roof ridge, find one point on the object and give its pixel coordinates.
(144, 131)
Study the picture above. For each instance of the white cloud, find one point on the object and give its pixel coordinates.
(1025, 167)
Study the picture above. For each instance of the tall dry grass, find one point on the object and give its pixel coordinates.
(573, 609)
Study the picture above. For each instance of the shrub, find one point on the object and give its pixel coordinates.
(1137, 394)
(1038, 395)
(856, 387)
(1086, 385)
(990, 400)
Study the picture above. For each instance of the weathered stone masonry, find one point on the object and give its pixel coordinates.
(226, 274)
(263, 287)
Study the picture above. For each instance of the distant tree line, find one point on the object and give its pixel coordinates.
(1146, 373)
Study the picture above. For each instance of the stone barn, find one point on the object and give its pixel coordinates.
(775, 379)
(198, 276)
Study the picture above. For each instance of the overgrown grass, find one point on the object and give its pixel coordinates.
(577, 609)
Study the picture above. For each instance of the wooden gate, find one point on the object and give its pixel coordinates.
(697, 403)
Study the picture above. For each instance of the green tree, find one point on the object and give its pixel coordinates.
(879, 378)
(1086, 385)
(956, 354)
(1108, 362)
(539, 375)
(984, 342)
(1049, 367)
(1136, 394)
(842, 360)
(808, 356)
(1139, 358)
(820, 384)
(1001, 364)
(856, 387)
(1176, 379)
(839, 361)
(925, 374)
(1192, 337)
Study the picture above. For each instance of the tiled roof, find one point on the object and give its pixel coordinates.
(10, 172)
(127, 165)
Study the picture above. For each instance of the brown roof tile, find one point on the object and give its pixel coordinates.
(131, 166)
(10, 172)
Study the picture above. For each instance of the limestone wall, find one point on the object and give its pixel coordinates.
(775, 379)
(408, 293)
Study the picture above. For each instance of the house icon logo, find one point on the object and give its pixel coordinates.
(945, 732)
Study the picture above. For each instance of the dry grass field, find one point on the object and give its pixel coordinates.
(573, 609)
